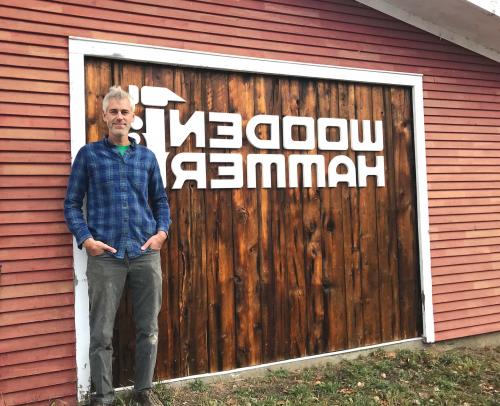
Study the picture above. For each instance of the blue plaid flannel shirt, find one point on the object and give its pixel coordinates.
(126, 200)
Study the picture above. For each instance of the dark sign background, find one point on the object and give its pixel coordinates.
(259, 275)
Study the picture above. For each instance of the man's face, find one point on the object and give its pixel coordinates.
(118, 117)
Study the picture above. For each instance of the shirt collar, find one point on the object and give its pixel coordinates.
(133, 144)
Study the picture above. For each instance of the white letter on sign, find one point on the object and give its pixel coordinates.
(342, 144)
(158, 96)
(233, 130)
(367, 144)
(274, 122)
(235, 171)
(179, 132)
(155, 138)
(377, 170)
(266, 160)
(308, 123)
(181, 175)
(307, 161)
(334, 177)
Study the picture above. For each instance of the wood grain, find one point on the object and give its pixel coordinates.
(258, 275)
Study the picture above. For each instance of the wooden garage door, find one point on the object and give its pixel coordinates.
(253, 275)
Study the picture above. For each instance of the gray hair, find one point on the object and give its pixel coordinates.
(117, 93)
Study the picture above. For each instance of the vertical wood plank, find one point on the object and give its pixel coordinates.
(245, 224)
(311, 218)
(223, 238)
(368, 229)
(219, 268)
(406, 218)
(386, 223)
(98, 76)
(198, 295)
(226, 281)
(350, 222)
(290, 91)
(264, 105)
(200, 265)
(209, 84)
(182, 87)
(156, 75)
(279, 216)
(416, 310)
(332, 235)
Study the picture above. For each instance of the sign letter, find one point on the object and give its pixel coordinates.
(233, 130)
(342, 144)
(273, 142)
(181, 175)
(334, 177)
(235, 171)
(367, 144)
(179, 132)
(266, 160)
(307, 161)
(155, 138)
(308, 123)
(377, 170)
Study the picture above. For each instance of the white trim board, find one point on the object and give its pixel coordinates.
(81, 47)
(455, 21)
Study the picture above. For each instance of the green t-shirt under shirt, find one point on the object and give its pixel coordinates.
(122, 149)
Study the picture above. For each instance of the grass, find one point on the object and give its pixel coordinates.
(463, 376)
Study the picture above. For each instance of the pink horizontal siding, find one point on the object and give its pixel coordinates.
(461, 98)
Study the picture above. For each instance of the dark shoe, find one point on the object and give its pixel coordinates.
(146, 398)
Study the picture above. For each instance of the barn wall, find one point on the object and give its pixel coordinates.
(461, 99)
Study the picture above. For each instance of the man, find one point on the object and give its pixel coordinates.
(126, 225)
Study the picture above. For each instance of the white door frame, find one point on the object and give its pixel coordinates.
(79, 48)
